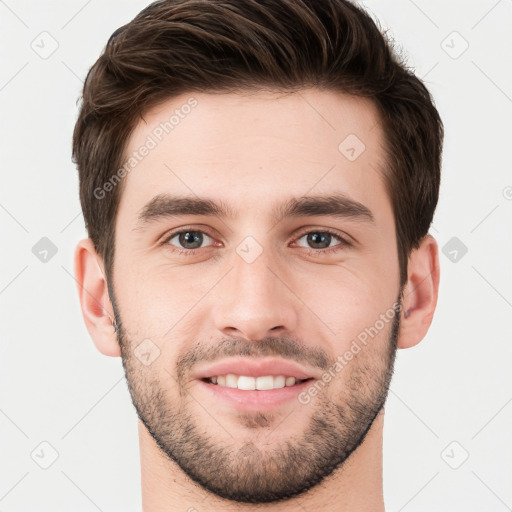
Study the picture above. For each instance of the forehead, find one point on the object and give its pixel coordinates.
(252, 148)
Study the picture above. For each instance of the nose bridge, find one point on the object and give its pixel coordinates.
(254, 272)
(253, 298)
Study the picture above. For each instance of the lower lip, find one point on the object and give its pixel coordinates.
(255, 400)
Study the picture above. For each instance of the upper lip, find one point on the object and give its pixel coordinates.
(255, 368)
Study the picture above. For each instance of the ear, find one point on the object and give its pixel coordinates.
(420, 293)
(94, 299)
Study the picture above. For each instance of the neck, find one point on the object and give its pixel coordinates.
(357, 485)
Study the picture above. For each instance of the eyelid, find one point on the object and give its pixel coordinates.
(344, 237)
(192, 227)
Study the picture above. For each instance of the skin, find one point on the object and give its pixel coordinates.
(253, 150)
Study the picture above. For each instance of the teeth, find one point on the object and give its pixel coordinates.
(279, 382)
(231, 380)
(250, 383)
(246, 383)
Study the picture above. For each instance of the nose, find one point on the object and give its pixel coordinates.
(255, 300)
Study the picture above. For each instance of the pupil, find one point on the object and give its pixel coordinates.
(191, 237)
(314, 238)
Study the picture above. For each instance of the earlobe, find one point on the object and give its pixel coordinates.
(94, 299)
(420, 293)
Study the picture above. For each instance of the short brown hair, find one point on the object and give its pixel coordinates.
(177, 46)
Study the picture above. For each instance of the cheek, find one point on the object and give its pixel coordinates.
(158, 302)
(143, 307)
(348, 307)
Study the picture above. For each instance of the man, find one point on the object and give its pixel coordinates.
(257, 180)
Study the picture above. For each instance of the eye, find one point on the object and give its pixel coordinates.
(319, 238)
(189, 239)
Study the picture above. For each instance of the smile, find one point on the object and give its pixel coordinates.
(249, 383)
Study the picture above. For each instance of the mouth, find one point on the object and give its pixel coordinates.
(229, 391)
(249, 383)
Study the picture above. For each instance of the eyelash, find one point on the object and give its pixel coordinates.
(190, 252)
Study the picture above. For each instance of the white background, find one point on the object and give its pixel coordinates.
(57, 388)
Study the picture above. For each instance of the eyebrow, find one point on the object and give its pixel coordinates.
(165, 206)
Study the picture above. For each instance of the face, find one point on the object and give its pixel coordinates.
(265, 279)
